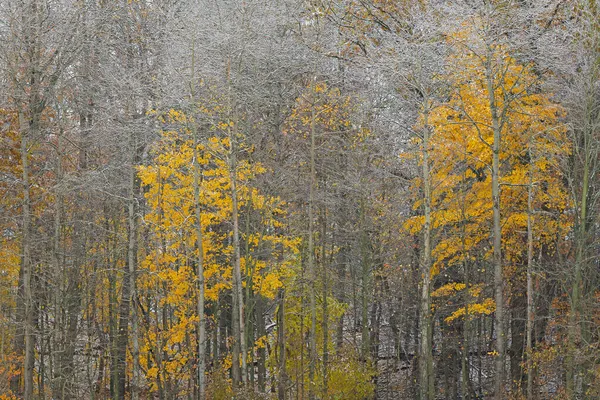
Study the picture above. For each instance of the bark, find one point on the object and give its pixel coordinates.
(518, 329)
(127, 309)
(312, 336)
(26, 265)
(262, 351)
(70, 302)
(56, 258)
(199, 276)
(113, 331)
(341, 297)
(239, 345)
(250, 302)
(465, 371)
(497, 238)
(325, 309)
(199, 247)
(132, 263)
(282, 376)
(426, 387)
(366, 286)
(575, 314)
(238, 333)
(530, 300)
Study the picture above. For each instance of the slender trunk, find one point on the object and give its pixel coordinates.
(113, 332)
(312, 337)
(249, 334)
(281, 381)
(159, 345)
(374, 332)
(497, 241)
(466, 327)
(300, 370)
(238, 289)
(355, 308)
(530, 321)
(262, 353)
(239, 345)
(250, 302)
(366, 287)
(199, 245)
(132, 263)
(325, 305)
(127, 310)
(574, 316)
(55, 374)
(26, 265)
(341, 297)
(42, 366)
(199, 275)
(56, 259)
(71, 298)
(19, 339)
(217, 333)
(465, 379)
(427, 391)
(415, 328)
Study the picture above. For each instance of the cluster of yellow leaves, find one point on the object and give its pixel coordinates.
(10, 368)
(461, 158)
(486, 307)
(448, 289)
(169, 269)
(475, 307)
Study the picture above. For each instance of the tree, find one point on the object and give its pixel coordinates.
(35, 56)
(493, 118)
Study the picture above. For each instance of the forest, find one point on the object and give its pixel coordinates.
(299, 199)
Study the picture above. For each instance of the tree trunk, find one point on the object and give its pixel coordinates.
(262, 351)
(530, 304)
(366, 285)
(465, 378)
(239, 329)
(427, 390)
(575, 314)
(199, 245)
(325, 309)
(57, 381)
(497, 239)
(341, 297)
(26, 265)
(199, 275)
(282, 378)
(127, 309)
(465, 370)
(132, 263)
(312, 336)
(113, 330)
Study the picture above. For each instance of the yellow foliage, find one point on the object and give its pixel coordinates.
(486, 307)
(349, 378)
(168, 271)
(460, 157)
(448, 289)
